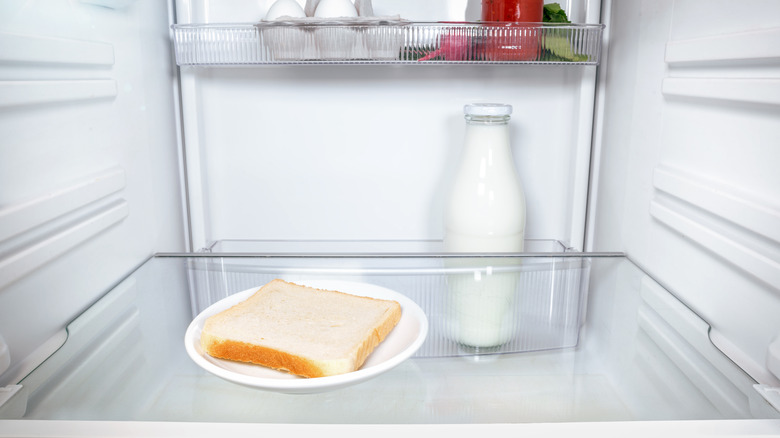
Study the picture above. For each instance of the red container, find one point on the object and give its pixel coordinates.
(528, 11)
(511, 40)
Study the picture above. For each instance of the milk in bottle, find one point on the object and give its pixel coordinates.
(485, 213)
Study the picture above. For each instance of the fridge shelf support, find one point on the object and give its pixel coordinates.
(771, 394)
(386, 42)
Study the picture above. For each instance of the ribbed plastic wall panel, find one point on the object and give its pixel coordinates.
(395, 42)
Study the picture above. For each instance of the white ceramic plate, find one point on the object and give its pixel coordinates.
(405, 339)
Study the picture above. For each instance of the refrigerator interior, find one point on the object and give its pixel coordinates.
(642, 171)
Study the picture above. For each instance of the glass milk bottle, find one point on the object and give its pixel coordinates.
(485, 213)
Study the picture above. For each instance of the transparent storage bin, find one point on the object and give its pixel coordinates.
(386, 41)
(544, 290)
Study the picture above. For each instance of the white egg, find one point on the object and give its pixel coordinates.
(335, 8)
(284, 8)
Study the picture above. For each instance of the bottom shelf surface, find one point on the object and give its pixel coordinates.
(610, 350)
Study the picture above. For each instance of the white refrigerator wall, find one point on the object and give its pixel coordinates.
(89, 181)
(685, 175)
(369, 151)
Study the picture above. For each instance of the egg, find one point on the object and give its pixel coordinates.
(284, 8)
(335, 8)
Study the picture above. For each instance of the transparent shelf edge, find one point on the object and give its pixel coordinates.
(375, 248)
(409, 43)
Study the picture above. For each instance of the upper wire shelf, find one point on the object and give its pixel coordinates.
(386, 42)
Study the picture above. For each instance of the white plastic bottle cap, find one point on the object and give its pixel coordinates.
(487, 109)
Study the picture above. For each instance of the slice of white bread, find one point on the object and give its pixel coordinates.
(305, 331)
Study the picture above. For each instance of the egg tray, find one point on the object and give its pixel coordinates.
(327, 39)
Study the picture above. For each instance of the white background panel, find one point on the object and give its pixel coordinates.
(378, 146)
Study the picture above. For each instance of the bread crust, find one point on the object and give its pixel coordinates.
(298, 364)
(260, 355)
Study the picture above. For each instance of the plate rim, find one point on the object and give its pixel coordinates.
(409, 309)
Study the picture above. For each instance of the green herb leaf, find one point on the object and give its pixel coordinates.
(553, 13)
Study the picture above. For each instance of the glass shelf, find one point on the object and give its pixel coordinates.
(386, 42)
(598, 340)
